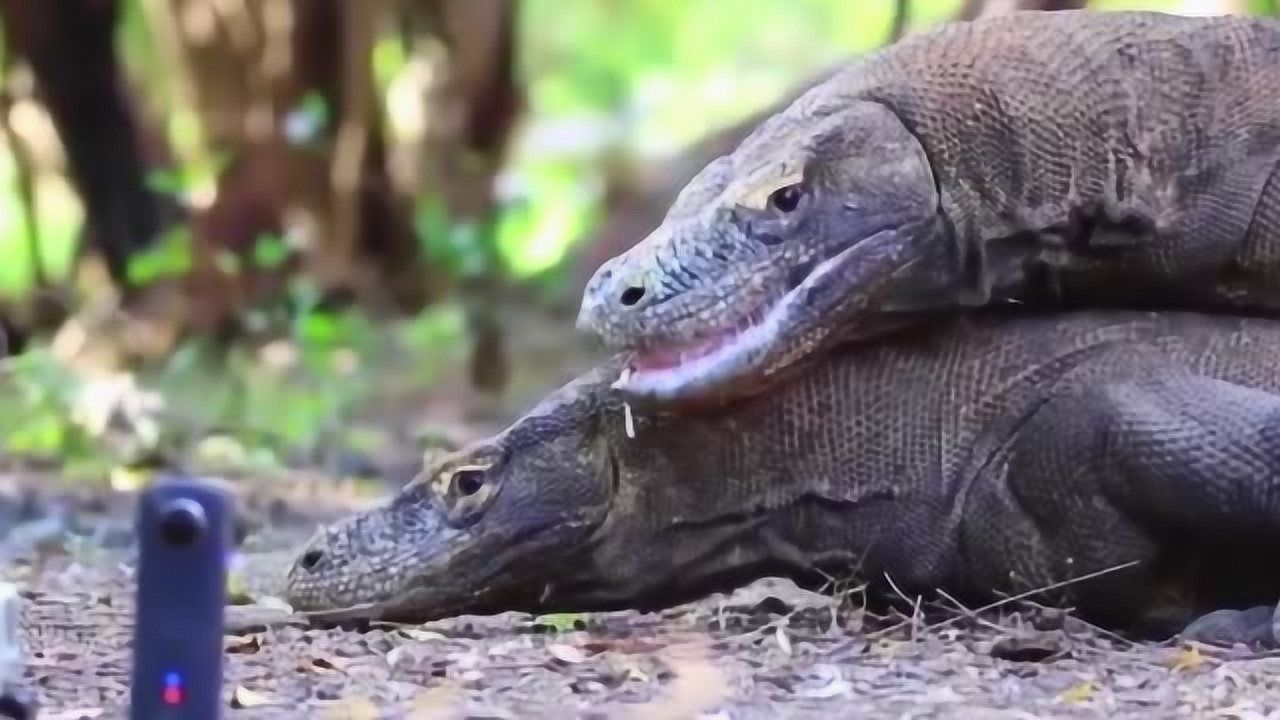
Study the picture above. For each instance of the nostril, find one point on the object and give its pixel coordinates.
(632, 295)
(311, 558)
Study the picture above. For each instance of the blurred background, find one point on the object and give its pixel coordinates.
(265, 233)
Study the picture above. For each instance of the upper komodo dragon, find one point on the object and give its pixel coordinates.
(1057, 160)
(999, 452)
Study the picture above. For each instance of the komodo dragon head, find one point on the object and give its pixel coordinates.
(754, 263)
(476, 529)
(559, 512)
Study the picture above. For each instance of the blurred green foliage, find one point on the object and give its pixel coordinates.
(649, 77)
(603, 78)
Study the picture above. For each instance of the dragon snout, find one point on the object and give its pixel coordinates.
(310, 559)
(314, 580)
(612, 292)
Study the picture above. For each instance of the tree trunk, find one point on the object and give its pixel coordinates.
(286, 90)
(472, 107)
(69, 45)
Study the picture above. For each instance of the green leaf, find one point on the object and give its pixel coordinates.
(167, 181)
(170, 257)
(561, 622)
(389, 59)
(270, 251)
(309, 120)
(319, 328)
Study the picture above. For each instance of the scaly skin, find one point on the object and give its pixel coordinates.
(995, 453)
(1055, 160)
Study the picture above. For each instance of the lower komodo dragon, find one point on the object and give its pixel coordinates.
(1125, 160)
(990, 453)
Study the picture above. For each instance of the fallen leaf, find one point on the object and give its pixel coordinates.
(567, 654)
(354, 708)
(1187, 658)
(421, 635)
(560, 622)
(696, 687)
(243, 697)
(327, 664)
(434, 703)
(73, 714)
(237, 588)
(1078, 693)
(241, 644)
(827, 683)
(402, 652)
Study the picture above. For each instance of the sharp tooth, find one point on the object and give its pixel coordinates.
(628, 422)
(623, 377)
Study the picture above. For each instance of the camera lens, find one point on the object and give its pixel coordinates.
(181, 521)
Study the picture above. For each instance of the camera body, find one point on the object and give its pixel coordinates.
(184, 537)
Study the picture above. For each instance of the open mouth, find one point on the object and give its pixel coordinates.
(746, 350)
(701, 349)
(705, 364)
(678, 372)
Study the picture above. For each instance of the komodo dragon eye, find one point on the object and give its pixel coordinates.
(467, 491)
(468, 482)
(787, 198)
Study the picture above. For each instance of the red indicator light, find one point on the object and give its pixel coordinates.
(172, 689)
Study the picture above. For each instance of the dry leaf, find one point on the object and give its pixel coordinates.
(237, 588)
(73, 714)
(402, 652)
(329, 664)
(1187, 658)
(353, 708)
(1078, 693)
(567, 654)
(394, 654)
(241, 644)
(436, 703)
(243, 697)
(828, 683)
(698, 685)
(421, 635)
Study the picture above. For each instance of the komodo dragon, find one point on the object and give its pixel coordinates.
(1054, 160)
(995, 452)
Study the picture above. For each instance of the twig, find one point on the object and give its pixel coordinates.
(1092, 627)
(1020, 597)
(915, 611)
(970, 614)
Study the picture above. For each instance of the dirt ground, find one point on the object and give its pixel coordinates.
(769, 650)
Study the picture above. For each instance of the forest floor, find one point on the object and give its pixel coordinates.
(767, 651)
